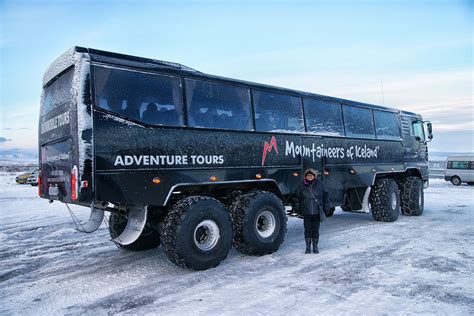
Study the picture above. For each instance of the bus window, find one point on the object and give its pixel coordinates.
(323, 117)
(217, 105)
(58, 92)
(386, 125)
(276, 112)
(148, 98)
(358, 122)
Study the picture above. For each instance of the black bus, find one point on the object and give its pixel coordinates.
(198, 163)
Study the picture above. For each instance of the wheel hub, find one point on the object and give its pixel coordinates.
(265, 224)
(394, 200)
(206, 235)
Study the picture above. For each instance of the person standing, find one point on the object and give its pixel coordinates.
(312, 203)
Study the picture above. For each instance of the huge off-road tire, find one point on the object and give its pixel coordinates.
(149, 238)
(412, 197)
(259, 221)
(197, 233)
(385, 200)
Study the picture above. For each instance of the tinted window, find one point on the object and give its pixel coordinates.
(386, 125)
(323, 117)
(358, 122)
(149, 98)
(58, 92)
(276, 112)
(217, 105)
(458, 165)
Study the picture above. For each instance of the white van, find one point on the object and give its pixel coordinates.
(459, 169)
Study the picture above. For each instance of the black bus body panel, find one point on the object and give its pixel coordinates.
(120, 158)
(65, 130)
(128, 156)
(58, 134)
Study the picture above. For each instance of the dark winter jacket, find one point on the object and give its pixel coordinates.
(306, 203)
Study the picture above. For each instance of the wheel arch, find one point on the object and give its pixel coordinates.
(413, 172)
(221, 188)
(398, 175)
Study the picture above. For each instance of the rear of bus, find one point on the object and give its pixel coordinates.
(64, 131)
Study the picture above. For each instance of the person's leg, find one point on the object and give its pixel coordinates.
(307, 233)
(315, 227)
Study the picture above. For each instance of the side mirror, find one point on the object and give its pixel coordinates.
(418, 138)
(429, 129)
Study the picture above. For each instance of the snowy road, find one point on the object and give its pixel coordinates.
(415, 265)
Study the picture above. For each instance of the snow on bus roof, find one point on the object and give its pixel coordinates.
(63, 62)
(67, 59)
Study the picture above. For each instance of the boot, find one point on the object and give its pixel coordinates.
(315, 246)
(308, 245)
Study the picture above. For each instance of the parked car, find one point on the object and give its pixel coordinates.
(33, 178)
(460, 169)
(23, 178)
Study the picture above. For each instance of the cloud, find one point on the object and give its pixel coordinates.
(33, 111)
(3, 139)
(453, 141)
(13, 129)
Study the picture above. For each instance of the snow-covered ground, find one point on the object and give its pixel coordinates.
(415, 265)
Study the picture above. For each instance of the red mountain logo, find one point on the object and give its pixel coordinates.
(267, 148)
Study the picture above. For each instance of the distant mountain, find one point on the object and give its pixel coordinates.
(18, 156)
(441, 155)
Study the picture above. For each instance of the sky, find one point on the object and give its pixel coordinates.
(411, 55)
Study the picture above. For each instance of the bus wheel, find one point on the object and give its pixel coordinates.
(149, 238)
(456, 180)
(385, 200)
(259, 221)
(412, 197)
(197, 233)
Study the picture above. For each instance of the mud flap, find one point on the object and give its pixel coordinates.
(95, 219)
(365, 203)
(135, 224)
